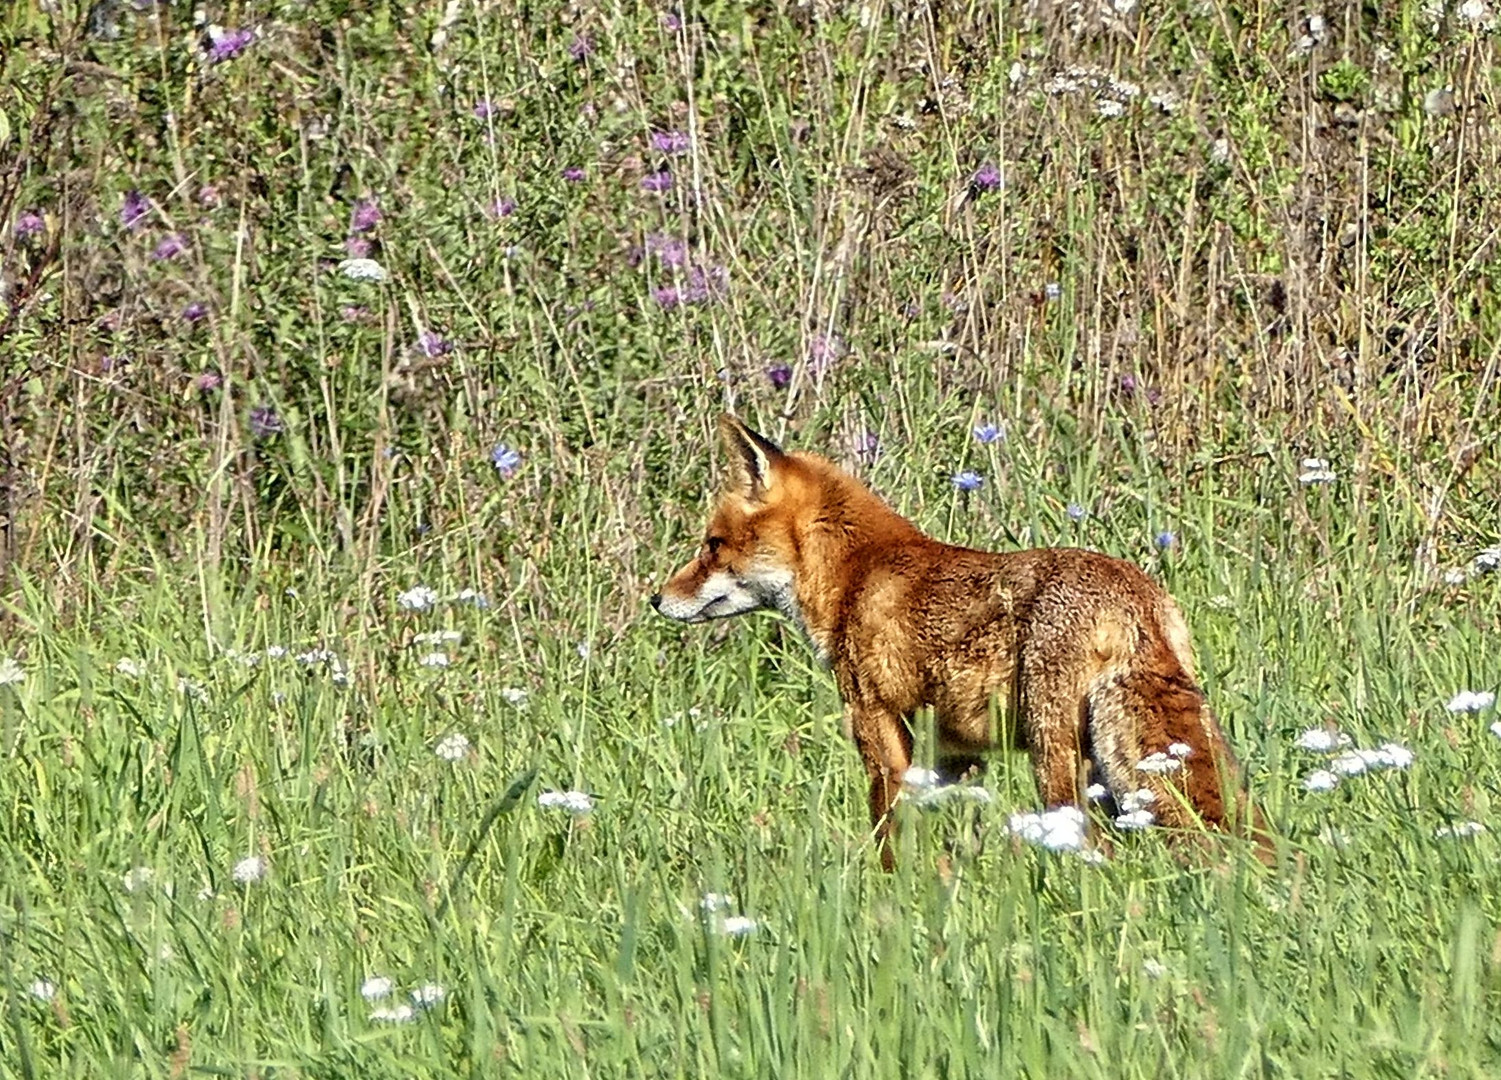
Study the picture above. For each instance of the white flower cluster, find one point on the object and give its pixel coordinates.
(715, 908)
(1471, 701)
(380, 987)
(1167, 761)
(1111, 95)
(1486, 562)
(575, 802)
(425, 598)
(11, 672)
(363, 270)
(1061, 829)
(1316, 471)
(1348, 760)
(453, 747)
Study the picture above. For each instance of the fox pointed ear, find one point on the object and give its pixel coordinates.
(753, 458)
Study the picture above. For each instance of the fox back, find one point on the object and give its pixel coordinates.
(1080, 658)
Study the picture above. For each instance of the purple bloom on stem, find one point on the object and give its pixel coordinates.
(503, 207)
(29, 224)
(657, 181)
(780, 376)
(265, 422)
(987, 177)
(134, 209)
(170, 247)
(483, 110)
(357, 247)
(353, 313)
(968, 480)
(670, 250)
(985, 434)
(672, 21)
(573, 174)
(1128, 384)
(366, 216)
(195, 312)
(1075, 512)
(505, 459)
(705, 283)
(432, 345)
(229, 44)
(1165, 539)
(580, 47)
(823, 350)
(666, 297)
(670, 142)
(208, 196)
(209, 380)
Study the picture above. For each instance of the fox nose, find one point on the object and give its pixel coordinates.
(656, 601)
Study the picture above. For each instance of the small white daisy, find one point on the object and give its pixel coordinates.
(917, 779)
(10, 671)
(376, 987)
(575, 802)
(392, 1014)
(1139, 799)
(1320, 780)
(275, 652)
(1109, 109)
(250, 869)
(417, 598)
(472, 596)
(453, 747)
(363, 270)
(428, 994)
(1096, 792)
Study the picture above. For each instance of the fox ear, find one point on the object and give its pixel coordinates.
(753, 458)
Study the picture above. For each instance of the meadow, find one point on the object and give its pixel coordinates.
(359, 371)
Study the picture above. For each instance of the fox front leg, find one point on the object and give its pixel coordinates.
(885, 744)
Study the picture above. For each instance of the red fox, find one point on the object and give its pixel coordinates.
(1082, 657)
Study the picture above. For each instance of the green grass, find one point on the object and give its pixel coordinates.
(1322, 283)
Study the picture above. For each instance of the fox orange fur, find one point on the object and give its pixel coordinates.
(1081, 657)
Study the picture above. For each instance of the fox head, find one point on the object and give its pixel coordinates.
(748, 558)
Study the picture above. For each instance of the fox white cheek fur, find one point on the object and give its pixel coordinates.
(720, 596)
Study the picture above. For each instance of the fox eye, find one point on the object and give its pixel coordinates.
(714, 543)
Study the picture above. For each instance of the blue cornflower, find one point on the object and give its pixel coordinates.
(1075, 512)
(505, 459)
(1165, 539)
(985, 434)
(968, 480)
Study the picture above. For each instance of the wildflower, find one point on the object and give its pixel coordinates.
(503, 207)
(1322, 740)
(472, 597)
(867, 446)
(439, 637)
(1316, 471)
(376, 987)
(1134, 820)
(1096, 792)
(1477, 13)
(170, 247)
(42, 989)
(666, 297)
(672, 21)
(737, 925)
(985, 434)
(505, 459)
(1139, 799)
(483, 109)
(1320, 780)
(715, 902)
(823, 350)
(435, 660)
(275, 652)
(988, 178)
(670, 142)
(580, 47)
(265, 422)
(1165, 539)
(249, 870)
(918, 779)
(1057, 830)
(357, 247)
(573, 174)
(131, 669)
(197, 311)
(575, 802)
(208, 381)
(967, 480)
(1386, 756)
(363, 270)
(1179, 750)
(1459, 831)
(1159, 763)
(30, 223)
(428, 995)
(780, 375)
(1471, 701)
(228, 44)
(1496, 729)
(669, 250)
(392, 1014)
(417, 598)
(1052, 292)
(947, 793)
(1153, 969)
(657, 182)
(1075, 512)
(453, 747)
(1489, 559)
(584, 650)
(137, 878)
(514, 696)
(11, 672)
(1109, 109)
(433, 345)
(133, 209)
(208, 197)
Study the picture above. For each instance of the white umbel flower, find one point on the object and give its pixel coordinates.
(575, 802)
(363, 270)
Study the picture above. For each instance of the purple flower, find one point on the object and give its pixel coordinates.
(1128, 384)
(985, 434)
(987, 177)
(195, 312)
(666, 297)
(780, 376)
(366, 216)
(209, 380)
(483, 110)
(229, 44)
(29, 224)
(672, 21)
(432, 345)
(823, 350)
(573, 174)
(357, 247)
(503, 207)
(265, 422)
(670, 142)
(209, 197)
(170, 247)
(705, 283)
(354, 313)
(867, 446)
(580, 47)
(1075, 512)
(1165, 539)
(657, 181)
(670, 250)
(505, 459)
(134, 209)
(968, 480)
